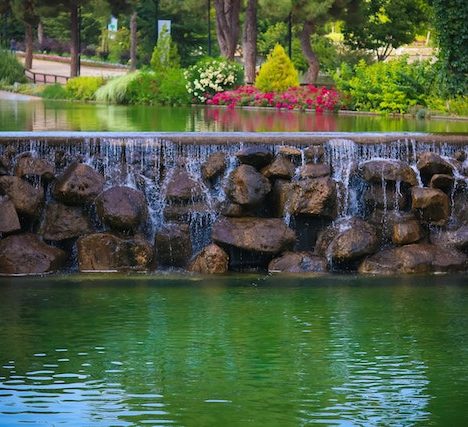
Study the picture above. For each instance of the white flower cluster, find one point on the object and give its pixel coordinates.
(216, 76)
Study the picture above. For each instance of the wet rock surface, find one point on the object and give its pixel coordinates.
(9, 221)
(298, 262)
(430, 164)
(256, 156)
(173, 246)
(314, 197)
(27, 166)
(388, 170)
(431, 204)
(182, 188)
(246, 186)
(28, 200)
(211, 260)
(214, 166)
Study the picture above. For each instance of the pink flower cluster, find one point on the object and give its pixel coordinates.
(296, 98)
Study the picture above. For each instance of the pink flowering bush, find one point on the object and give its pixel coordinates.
(295, 98)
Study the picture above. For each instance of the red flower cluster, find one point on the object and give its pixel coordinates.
(296, 98)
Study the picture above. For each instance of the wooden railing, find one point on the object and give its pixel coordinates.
(44, 78)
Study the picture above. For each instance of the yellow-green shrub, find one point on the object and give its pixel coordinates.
(83, 88)
(277, 74)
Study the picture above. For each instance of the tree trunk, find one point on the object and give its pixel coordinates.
(250, 41)
(227, 26)
(74, 39)
(314, 65)
(40, 33)
(28, 41)
(133, 41)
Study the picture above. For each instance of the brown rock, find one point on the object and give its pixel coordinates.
(406, 232)
(183, 212)
(314, 154)
(293, 154)
(182, 188)
(79, 184)
(315, 197)
(27, 199)
(266, 235)
(211, 260)
(432, 204)
(246, 186)
(5, 165)
(280, 168)
(172, 244)
(280, 197)
(256, 156)
(27, 254)
(27, 166)
(460, 156)
(298, 262)
(106, 251)
(442, 182)
(214, 166)
(456, 238)
(122, 208)
(313, 170)
(63, 222)
(9, 222)
(388, 170)
(385, 198)
(430, 164)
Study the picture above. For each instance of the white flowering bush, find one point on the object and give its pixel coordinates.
(212, 75)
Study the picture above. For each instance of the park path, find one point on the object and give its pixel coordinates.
(10, 96)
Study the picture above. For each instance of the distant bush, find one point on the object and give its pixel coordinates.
(211, 75)
(11, 71)
(277, 74)
(142, 88)
(165, 54)
(55, 91)
(83, 88)
(172, 87)
(116, 90)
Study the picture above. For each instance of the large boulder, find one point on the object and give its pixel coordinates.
(414, 258)
(298, 262)
(62, 222)
(442, 182)
(107, 251)
(211, 260)
(406, 232)
(347, 241)
(385, 197)
(27, 166)
(292, 154)
(456, 238)
(27, 254)
(256, 156)
(246, 186)
(182, 188)
(432, 205)
(387, 170)
(172, 244)
(79, 184)
(280, 197)
(9, 221)
(430, 164)
(27, 199)
(214, 166)
(122, 208)
(315, 170)
(314, 154)
(265, 235)
(279, 168)
(314, 197)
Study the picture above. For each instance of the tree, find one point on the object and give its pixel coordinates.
(26, 12)
(228, 26)
(250, 41)
(384, 25)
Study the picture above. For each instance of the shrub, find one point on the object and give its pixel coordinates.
(142, 89)
(277, 74)
(11, 70)
(211, 75)
(165, 54)
(115, 91)
(55, 91)
(83, 88)
(172, 87)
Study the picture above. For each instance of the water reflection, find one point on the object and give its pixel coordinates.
(41, 115)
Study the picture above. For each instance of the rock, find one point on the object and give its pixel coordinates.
(182, 188)
(214, 166)
(406, 232)
(122, 208)
(78, 184)
(9, 222)
(256, 156)
(315, 197)
(313, 170)
(442, 182)
(211, 260)
(183, 212)
(62, 222)
(5, 165)
(430, 164)
(348, 241)
(280, 168)
(27, 166)
(293, 154)
(433, 205)
(460, 156)
(172, 244)
(280, 197)
(235, 210)
(456, 238)
(107, 251)
(387, 170)
(266, 235)
(384, 220)
(27, 254)
(314, 154)
(298, 262)
(414, 258)
(246, 186)
(27, 199)
(377, 196)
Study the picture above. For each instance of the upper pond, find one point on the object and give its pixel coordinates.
(39, 115)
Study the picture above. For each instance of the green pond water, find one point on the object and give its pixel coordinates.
(42, 115)
(248, 350)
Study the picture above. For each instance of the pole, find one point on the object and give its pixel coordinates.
(209, 27)
(78, 65)
(156, 17)
(290, 34)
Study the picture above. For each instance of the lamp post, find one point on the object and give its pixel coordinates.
(290, 34)
(209, 26)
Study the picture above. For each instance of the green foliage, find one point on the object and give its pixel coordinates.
(277, 74)
(11, 70)
(115, 91)
(55, 91)
(119, 46)
(142, 89)
(83, 88)
(211, 75)
(165, 54)
(393, 86)
(450, 18)
(172, 87)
